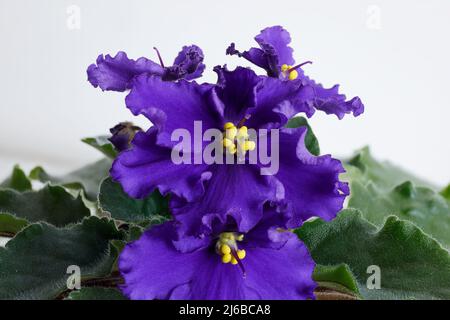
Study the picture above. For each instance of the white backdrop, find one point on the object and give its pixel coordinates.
(394, 54)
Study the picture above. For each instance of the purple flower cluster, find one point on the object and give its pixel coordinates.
(230, 234)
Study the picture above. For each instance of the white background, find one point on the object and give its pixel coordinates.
(394, 54)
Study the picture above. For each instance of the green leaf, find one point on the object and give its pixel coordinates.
(338, 277)
(87, 178)
(96, 293)
(364, 168)
(446, 193)
(34, 264)
(102, 144)
(412, 264)
(380, 189)
(114, 200)
(52, 204)
(311, 142)
(17, 181)
(421, 205)
(134, 232)
(10, 224)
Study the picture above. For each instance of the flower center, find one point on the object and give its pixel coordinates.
(236, 139)
(227, 248)
(290, 72)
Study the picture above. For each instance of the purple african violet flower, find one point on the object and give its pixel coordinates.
(116, 73)
(309, 185)
(122, 135)
(224, 264)
(276, 57)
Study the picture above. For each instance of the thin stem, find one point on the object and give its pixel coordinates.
(159, 57)
(240, 264)
(7, 234)
(299, 65)
(112, 281)
(243, 120)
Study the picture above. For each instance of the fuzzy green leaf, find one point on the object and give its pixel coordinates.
(365, 168)
(52, 204)
(17, 181)
(96, 293)
(102, 144)
(446, 193)
(379, 190)
(114, 200)
(10, 224)
(338, 277)
(311, 142)
(421, 205)
(34, 264)
(87, 178)
(412, 264)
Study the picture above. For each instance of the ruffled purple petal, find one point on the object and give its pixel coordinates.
(266, 233)
(311, 184)
(254, 55)
(330, 100)
(277, 38)
(190, 61)
(280, 274)
(116, 73)
(152, 268)
(277, 101)
(147, 166)
(215, 281)
(236, 90)
(270, 232)
(236, 190)
(172, 105)
(274, 50)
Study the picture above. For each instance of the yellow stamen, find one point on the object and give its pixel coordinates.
(228, 125)
(231, 133)
(228, 250)
(241, 254)
(293, 75)
(225, 249)
(249, 145)
(242, 132)
(232, 149)
(227, 142)
(226, 258)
